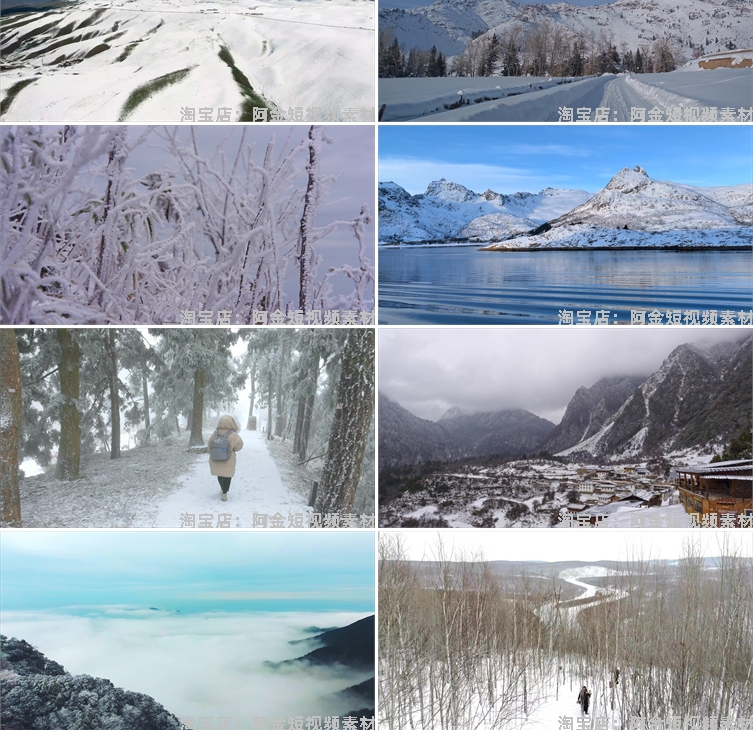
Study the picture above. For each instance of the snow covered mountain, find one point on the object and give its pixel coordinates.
(632, 200)
(407, 439)
(588, 411)
(633, 210)
(449, 24)
(38, 692)
(697, 397)
(448, 211)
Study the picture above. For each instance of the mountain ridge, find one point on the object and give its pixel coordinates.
(450, 25)
(627, 212)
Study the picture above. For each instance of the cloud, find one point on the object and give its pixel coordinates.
(208, 665)
(428, 371)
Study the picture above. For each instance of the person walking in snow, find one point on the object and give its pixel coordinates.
(222, 465)
(583, 699)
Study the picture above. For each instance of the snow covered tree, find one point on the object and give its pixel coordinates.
(350, 428)
(84, 240)
(10, 427)
(196, 371)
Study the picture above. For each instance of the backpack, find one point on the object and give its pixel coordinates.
(220, 450)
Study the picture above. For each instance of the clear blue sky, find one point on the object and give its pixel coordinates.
(514, 158)
(189, 571)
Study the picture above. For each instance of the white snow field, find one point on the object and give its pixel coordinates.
(83, 62)
(528, 99)
(255, 488)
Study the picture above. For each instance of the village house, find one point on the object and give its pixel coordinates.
(717, 488)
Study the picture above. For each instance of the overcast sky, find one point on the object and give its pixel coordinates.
(428, 371)
(580, 545)
(529, 158)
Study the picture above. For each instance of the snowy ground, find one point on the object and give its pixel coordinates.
(155, 485)
(256, 488)
(542, 99)
(110, 493)
(293, 53)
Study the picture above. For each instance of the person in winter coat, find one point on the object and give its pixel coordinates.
(225, 470)
(583, 699)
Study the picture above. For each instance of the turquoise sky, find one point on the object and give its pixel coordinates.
(528, 158)
(188, 571)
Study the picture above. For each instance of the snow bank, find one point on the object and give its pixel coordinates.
(411, 98)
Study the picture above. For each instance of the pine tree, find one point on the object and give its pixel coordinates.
(432, 63)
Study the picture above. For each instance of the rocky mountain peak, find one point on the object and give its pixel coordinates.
(627, 180)
(450, 191)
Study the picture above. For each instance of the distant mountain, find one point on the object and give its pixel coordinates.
(407, 439)
(633, 210)
(698, 397)
(588, 411)
(351, 646)
(37, 692)
(511, 431)
(450, 25)
(448, 211)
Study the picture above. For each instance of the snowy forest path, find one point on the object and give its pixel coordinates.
(256, 488)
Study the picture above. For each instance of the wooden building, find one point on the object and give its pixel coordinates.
(723, 487)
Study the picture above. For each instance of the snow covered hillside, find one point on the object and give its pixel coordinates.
(145, 61)
(632, 210)
(722, 24)
(449, 211)
(682, 404)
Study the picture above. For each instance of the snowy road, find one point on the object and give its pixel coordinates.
(256, 488)
(619, 94)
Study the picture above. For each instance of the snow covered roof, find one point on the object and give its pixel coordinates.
(737, 465)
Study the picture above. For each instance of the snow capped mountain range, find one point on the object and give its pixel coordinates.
(627, 212)
(448, 211)
(449, 24)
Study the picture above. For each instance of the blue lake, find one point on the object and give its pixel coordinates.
(462, 285)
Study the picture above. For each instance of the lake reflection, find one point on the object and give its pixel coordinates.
(461, 285)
